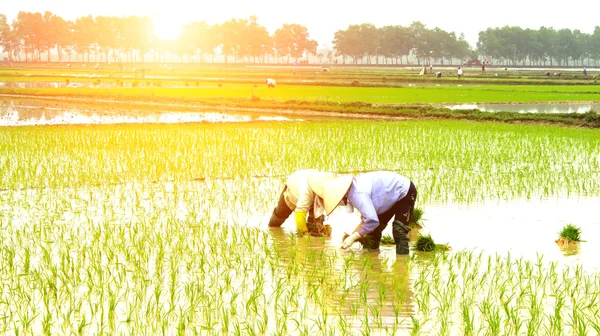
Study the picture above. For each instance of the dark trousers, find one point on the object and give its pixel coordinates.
(282, 211)
(401, 211)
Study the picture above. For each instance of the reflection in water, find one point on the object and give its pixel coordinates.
(141, 83)
(570, 250)
(33, 115)
(525, 228)
(362, 290)
(529, 108)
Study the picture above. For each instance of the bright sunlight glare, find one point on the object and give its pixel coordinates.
(167, 29)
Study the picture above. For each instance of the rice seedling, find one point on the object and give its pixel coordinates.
(387, 240)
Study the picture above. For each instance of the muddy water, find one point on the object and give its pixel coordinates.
(523, 228)
(530, 108)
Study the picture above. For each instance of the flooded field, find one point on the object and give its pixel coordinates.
(530, 108)
(142, 83)
(30, 113)
(163, 227)
(180, 245)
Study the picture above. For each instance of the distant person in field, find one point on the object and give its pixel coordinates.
(584, 71)
(299, 195)
(460, 72)
(483, 66)
(438, 74)
(270, 82)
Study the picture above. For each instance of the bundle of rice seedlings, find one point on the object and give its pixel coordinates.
(426, 244)
(416, 220)
(570, 235)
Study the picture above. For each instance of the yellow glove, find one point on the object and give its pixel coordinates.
(350, 240)
(301, 222)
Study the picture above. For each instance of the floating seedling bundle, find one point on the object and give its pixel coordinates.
(569, 235)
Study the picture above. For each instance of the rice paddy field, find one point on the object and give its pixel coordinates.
(161, 228)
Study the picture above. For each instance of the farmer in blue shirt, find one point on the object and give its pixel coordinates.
(378, 196)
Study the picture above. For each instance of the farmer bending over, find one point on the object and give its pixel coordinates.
(299, 196)
(378, 196)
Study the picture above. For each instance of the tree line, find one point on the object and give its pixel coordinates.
(545, 46)
(32, 36)
(132, 39)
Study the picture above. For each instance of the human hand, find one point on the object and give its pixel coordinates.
(348, 241)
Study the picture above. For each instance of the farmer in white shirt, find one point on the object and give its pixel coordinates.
(460, 72)
(378, 196)
(270, 82)
(299, 196)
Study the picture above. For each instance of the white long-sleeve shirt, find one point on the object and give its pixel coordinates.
(299, 196)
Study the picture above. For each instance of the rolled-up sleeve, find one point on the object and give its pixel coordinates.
(362, 202)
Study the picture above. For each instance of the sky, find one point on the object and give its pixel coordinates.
(324, 17)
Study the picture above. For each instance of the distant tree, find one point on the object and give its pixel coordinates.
(594, 45)
(257, 40)
(107, 35)
(348, 43)
(29, 30)
(547, 39)
(84, 31)
(8, 37)
(293, 40)
(395, 42)
(369, 36)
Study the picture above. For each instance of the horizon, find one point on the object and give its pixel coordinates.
(466, 18)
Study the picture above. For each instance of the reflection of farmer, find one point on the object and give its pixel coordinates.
(378, 196)
(270, 82)
(298, 196)
(395, 277)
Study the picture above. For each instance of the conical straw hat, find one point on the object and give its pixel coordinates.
(334, 191)
(317, 179)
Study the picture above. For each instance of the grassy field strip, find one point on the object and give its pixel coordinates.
(408, 95)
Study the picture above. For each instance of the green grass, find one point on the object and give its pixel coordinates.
(282, 93)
